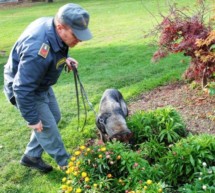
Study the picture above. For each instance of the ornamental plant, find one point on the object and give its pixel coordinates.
(155, 130)
(112, 167)
(204, 181)
(185, 158)
(155, 164)
(188, 33)
(148, 187)
(163, 125)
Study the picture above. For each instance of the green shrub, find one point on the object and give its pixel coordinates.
(204, 181)
(161, 161)
(186, 157)
(163, 125)
(152, 150)
(113, 167)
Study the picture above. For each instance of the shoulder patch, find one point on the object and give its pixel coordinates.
(44, 50)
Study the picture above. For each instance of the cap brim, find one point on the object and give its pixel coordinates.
(82, 35)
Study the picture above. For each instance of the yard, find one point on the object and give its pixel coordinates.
(118, 56)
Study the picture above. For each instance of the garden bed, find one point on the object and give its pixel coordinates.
(195, 106)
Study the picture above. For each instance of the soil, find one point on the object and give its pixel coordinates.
(196, 107)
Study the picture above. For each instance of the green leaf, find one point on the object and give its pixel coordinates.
(192, 161)
(211, 91)
(212, 47)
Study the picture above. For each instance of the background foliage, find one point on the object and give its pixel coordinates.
(191, 33)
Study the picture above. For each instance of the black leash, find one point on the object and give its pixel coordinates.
(83, 96)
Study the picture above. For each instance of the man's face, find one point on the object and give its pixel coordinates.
(67, 35)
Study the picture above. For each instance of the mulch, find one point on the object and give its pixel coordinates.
(196, 107)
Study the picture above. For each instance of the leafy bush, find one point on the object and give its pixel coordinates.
(186, 157)
(152, 150)
(204, 181)
(187, 32)
(159, 164)
(101, 168)
(163, 125)
(148, 186)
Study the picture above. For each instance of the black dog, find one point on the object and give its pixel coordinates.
(111, 119)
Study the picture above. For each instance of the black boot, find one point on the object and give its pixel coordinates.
(36, 163)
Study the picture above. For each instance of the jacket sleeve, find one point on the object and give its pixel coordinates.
(31, 70)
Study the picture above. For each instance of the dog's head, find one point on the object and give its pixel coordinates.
(113, 126)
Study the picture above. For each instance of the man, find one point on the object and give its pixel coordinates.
(34, 65)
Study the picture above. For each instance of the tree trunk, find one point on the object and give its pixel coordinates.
(204, 78)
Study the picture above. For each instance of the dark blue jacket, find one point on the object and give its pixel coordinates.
(35, 63)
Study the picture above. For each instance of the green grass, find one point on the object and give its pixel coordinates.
(118, 56)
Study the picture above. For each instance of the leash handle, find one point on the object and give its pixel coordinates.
(74, 69)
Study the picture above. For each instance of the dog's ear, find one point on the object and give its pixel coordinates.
(124, 107)
(100, 123)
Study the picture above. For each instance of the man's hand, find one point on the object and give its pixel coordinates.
(68, 63)
(38, 127)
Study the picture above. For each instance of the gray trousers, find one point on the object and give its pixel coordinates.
(49, 140)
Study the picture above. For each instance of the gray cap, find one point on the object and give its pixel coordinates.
(77, 18)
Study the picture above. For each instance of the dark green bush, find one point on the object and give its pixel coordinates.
(204, 181)
(186, 157)
(152, 150)
(163, 125)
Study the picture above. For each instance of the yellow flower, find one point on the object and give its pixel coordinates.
(64, 187)
(160, 190)
(109, 176)
(69, 189)
(95, 185)
(68, 171)
(103, 149)
(100, 156)
(149, 182)
(118, 157)
(71, 164)
(64, 179)
(69, 182)
(120, 181)
(145, 187)
(88, 149)
(84, 174)
(77, 153)
(78, 163)
(82, 147)
(73, 158)
(75, 173)
(78, 190)
(87, 179)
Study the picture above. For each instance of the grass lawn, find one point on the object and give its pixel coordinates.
(117, 57)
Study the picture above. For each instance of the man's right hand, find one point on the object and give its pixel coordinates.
(38, 127)
(73, 61)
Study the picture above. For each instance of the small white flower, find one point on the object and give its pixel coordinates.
(210, 171)
(200, 179)
(204, 187)
(204, 164)
(200, 173)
